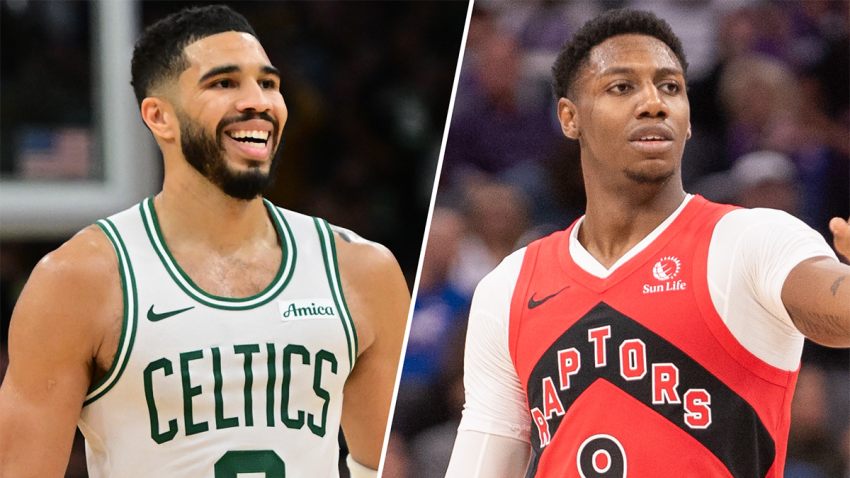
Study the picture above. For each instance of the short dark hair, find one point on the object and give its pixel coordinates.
(574, 54)
(158, 54)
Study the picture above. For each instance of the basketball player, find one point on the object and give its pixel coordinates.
(205, 332)
(660, 335)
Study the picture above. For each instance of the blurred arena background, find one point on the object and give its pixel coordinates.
(367, 85)
(769, 88)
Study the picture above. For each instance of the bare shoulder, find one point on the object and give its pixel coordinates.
(362, 258)
(62, 328)
(72, 298)
(373, 284)
(87, 260)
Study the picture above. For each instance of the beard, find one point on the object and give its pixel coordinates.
(207, 155)
(649, 177)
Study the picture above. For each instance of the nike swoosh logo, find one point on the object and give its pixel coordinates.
(534, 303)
(154, 317)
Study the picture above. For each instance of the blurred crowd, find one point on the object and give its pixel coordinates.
(770, 112)
(367, 86)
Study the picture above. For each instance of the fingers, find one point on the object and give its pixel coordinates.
(839, 226)
(841, 235)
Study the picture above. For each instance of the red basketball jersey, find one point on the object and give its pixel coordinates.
(636, 374)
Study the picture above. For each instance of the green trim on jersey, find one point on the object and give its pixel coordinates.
(130, 319)
(284, 272)
(326, 239)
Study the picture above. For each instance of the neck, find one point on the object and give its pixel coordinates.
(617, 219)
(192, 210)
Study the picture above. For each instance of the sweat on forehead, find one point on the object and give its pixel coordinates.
(574, 54)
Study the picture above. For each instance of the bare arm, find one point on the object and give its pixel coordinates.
(379, 302)
(817, 297)
(817, 293)
(54, 339)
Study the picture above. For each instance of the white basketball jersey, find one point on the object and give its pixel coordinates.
(206, 386)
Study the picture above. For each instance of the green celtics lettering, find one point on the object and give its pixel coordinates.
(188, 375)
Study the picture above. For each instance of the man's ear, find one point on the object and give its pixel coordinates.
(159, 115)
(567, 114)
(689, 131)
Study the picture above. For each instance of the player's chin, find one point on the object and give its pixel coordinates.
(652, 171)
(240, 164)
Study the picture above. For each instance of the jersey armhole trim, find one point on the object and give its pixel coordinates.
(130, 319)
(326, 240)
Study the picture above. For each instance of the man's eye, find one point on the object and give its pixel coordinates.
(671, 87)
(620, 88)
(224, 83)
(268, 84)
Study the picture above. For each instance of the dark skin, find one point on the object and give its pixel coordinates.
(630, 113)
(630, 196)
(631, 87)
(817, 298)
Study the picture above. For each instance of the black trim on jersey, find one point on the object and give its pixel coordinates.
(736, 436)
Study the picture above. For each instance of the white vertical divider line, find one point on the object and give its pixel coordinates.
(425, 237)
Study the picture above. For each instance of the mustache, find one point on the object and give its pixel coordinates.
(225, 122)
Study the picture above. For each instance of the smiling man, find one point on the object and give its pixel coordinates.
(205, 332)
(660, 335)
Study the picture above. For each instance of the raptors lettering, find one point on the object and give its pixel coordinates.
(607, 362)
(633, 366)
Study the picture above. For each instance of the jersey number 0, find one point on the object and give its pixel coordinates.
(601, 456)
(250, 461)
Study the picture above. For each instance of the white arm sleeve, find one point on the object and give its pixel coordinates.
(495, 401)
(482, 455)
(750, 255)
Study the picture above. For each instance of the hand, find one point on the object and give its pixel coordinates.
(841, 235)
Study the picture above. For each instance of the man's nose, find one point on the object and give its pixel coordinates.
(652, 104)
(254, 97)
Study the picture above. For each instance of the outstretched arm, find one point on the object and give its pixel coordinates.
(53, 341)
(817, 297)
(817, 293)
(379, 302)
